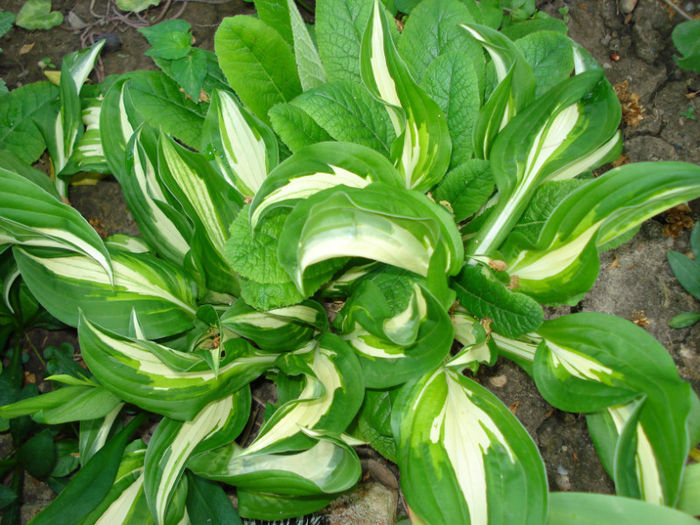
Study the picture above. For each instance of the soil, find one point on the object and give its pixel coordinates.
(631, 41)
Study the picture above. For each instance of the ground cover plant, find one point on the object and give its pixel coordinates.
(424, 190)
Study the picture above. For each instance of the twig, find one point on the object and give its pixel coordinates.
(678, 9)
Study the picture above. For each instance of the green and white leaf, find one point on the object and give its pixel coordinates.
(88, 153)
(463, 455)
(142, 372)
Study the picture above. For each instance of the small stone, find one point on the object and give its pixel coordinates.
(498, 381)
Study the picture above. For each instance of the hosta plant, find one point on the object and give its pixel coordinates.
(364, 217)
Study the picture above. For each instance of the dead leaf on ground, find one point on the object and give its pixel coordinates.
(639, 317)
(29, 377)
(619, 161)
(514, 407)
(678, 219)
(98, 225)
(632, 110)
(26, 48)
(615, 263)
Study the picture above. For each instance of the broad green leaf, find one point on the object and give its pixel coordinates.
(463, 455)
(295, 127)
(19, 109)
(276, 330)
(329, 466)
(91, 484)
(265, 506)
(688, 501)
(574, 508)
(423, 146)
(523, 28)
(685, 38)
(348, 112)
(118, 120)
(6, 21)
(170, 39)
(512, 313)
(453, 81)
(550, 56)
(137, 372)
(340, 25)
(684, 319)
(162, 225)
(136, 5)
(257, 62)
(174, 441)
(373, 423)
(275, 14)
(686, 271)
(162, 295)
(207, 503)
(563, 264)
(30, 216)
(466, 188)
(37, 14)
(7, 496)
(592, 361)
(159, 102)
(431, 31)
(409, 232)
(11, 162)
(243, 148)
(331, 396)
(70, 403)
(38, 454)
(319, 167)
(309, 66)
(189, 71)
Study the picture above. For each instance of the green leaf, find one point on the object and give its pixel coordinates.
(319, 167)
(373, 423)
(11, 162)
(91, 484)
(453, 82)
(207, 503)
(6, 21)
(37, 14)
(463, 455)
(263, 506)
(686, 271)
(161, 294)
(70, 403)
(687, 501)
(170, 39)
(596, 214)
(295, 127)
(466, 188)
(94, 432)
(144, 373)
(174, 441)
(686, 38)
(550, 56)
(189, 71)
(422, 149)
(257, 62)
(66, 458)
(38, 455)
(573, 508)
(348, 112)
(31, 216)
(136, 6)
(340, 25)
(523, 28)
(590, 361)
(409, 232)
(512, 313)
(431, 31)
(7, 496)
(309, 66)
(88, 154)
(684, 319)
(19, 109)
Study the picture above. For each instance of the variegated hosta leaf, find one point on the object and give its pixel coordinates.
(564, 262)
(209, 202)
(343, 285)
(30, 216)
(588, 362)
(94, 432)
(174, 441)
(329, 466)
(88, 154)
(423, 146)
(118, 120)
(408, 231)
(386, 364)
(464, 457)
(286, 328)
(331, 396)
(552, 131)
(318, 167)
(162, 295)
(165, 227)
(477, 347)
(62, 134)
(141, 372)
(242, 146)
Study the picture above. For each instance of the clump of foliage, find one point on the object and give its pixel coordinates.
(435, 184)
(686, 38)
(687, 271)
